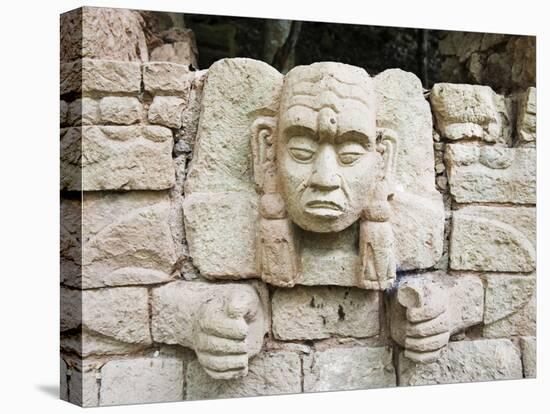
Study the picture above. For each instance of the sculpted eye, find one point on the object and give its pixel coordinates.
(350, 152)
(302, 148)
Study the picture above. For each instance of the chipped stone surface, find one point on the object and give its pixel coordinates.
(71, 308)
(141, 380)
(167, 111)
(505, 295)
(221, 233)
(529, 356)
(491, 174)
(127, 239)
(120, 110)
(84, 385)
(470, 111)
(165, 77)
(83, 111)
(499, 239)
(63, 383)
(100, 76)
(527, 117)
(465, 361)
(349, 369)
(321, 312)
(523, 322)
(269, 373)
(89, 343)
(127, 319)
(118, 158)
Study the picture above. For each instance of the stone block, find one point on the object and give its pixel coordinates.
(167, 111)
(63, 112)
(127, 239)
(120, 110)
(119, 313)
(465, 361)
(303, 313)
(117, 158)
(348, 369)
(269, 373)
(506, 294)
(83, 111)
(221, 233)
(100, 76)
(470, 112)
(491, 174)
(86, 343)
(527, 117)
(522, 322)
(142, 380)
(63, 383)
(529, 356)
(84, 385)
(498, 239)
(166, 78)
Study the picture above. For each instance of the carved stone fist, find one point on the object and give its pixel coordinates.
(428, 327)
(228, 330)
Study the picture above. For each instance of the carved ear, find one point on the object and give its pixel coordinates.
(263, 148)
(386, 144)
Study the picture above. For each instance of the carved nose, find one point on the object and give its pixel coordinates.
(325, 169)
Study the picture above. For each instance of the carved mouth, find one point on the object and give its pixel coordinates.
(324, 204)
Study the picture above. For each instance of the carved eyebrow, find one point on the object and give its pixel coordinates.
(294, 130)
(355, 136)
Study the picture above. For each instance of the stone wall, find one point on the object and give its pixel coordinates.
(128, 282)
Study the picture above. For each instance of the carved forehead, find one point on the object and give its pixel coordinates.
(328, 84)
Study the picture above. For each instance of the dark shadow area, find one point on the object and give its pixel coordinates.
(51, 390)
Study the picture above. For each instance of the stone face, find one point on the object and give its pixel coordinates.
(127, 239)
(470, 111)
(527, 117)
(491, 174)
(122, 158)
(100, 76)
(499, 239)
(221, 233)
(321, 312)
(167, 111)
(269, 373)
(529, 356)
(141, 380)
(348, 369)
(505, 295)
(119, 313)
(166, 78)
(465, 361)
(120, 110)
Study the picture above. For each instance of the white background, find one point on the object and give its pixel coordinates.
(29, 205)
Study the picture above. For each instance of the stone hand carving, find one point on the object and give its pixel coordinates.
(427, 309)
(228, 330)
(321, 164)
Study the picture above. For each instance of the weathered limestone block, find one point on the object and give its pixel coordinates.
(321, 312)
(470, 111)
(63, 112)
(348, 369)
(127, 239)
(70, 309)
(119, 313)
(522, 322)
(141, 380)
(167, 111)
(191, 114)
(221, 233)
(83, 111)
(465, 361)
(491, 174)
(499, 239)
(83, 385)
(433, 306)
(269, 373)
(70, 241)
(527, 117)
(529, 356)
(100, 76)
(120, 110)
(506, 294)
(87, 343)
(63, 383)
(103, 33)
(166, 78)
(118, 158)
(183, 53)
